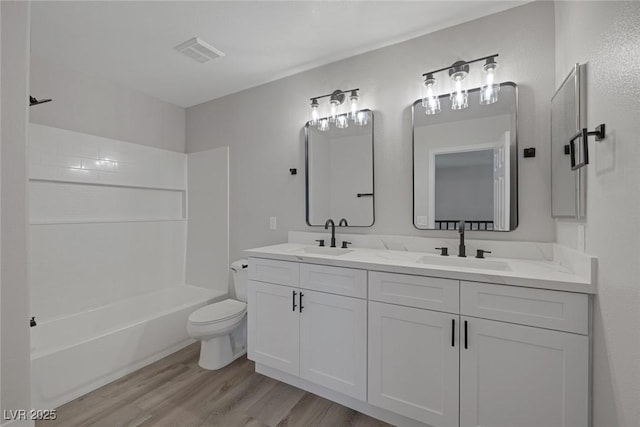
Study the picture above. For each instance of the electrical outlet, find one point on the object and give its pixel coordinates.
(421, 220)
(273, 223)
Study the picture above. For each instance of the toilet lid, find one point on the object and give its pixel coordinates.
(218, 311)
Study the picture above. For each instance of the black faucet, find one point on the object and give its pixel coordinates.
(343, 223)
(333, 231)
(461, 249)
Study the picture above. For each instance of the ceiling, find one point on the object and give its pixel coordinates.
(132, 43)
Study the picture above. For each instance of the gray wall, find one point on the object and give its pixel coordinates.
(464, 192)
(263, 126)
(14, 294)
(92, 105)
(606, 36)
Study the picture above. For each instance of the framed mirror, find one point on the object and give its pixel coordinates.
(465, 164)
(339, 173)
(567, 186)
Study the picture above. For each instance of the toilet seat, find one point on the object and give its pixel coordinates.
(218, 312)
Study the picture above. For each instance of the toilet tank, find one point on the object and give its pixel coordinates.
(240, 274)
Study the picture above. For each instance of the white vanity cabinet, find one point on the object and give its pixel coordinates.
(413, 363)
(318, 336)
(418, 350)
(274, 326)
(526, 363)
(413, 349)
(333, 342)
(514, 375)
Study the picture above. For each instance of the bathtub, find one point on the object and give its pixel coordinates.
(74, 355)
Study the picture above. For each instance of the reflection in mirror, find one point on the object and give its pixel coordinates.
(339, 173)
(567, 186)
(465, 164)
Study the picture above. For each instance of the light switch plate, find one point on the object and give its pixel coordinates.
(273, 223)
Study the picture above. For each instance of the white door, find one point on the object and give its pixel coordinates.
(413, 363)
(333, 342)
(521, 376)
(274, 327)
(502, 184)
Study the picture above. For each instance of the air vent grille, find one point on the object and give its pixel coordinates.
(199, 50)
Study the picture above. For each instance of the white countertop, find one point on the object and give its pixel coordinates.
(506, 271)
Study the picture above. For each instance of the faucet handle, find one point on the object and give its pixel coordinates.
(344, 244)
(443, 251)
(320, 242)
(480, 253)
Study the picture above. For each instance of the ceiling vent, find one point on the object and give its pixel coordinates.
(199, 51)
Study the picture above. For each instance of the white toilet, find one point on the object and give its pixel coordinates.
(222, 326)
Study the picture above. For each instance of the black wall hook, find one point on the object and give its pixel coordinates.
(33, 101)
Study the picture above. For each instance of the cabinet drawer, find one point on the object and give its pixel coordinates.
(336, 280)
(272, 271)
(414, 291)
(564, 311)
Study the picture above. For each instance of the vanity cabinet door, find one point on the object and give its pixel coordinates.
(414, 363)
(274, 327)
(333, 342)
(512, 375)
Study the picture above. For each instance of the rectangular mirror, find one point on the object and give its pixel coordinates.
(567, 186)
(339, 173)
(465, 164)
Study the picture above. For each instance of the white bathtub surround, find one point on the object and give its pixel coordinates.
(419, 339)
(79, 353)
(108, 234)
(108, 221)
(207, 259)
(521, 263)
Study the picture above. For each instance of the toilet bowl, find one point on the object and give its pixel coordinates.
(222, 326)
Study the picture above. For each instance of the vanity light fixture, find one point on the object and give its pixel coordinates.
(335, 116)
(459, 96)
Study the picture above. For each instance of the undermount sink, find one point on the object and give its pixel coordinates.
(324, 250)
(481, 264)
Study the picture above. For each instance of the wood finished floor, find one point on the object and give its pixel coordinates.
(176, 392)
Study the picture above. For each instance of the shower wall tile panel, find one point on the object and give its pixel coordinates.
(62, 155)
(107, 221)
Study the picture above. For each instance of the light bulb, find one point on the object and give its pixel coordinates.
(342, 122)
(353, 100)
(489, 91)
(430, 102)
(459, 96)
(315, 114)
(334, 111)
(362, 118)
(323, 125)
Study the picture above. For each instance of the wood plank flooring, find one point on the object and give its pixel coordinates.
(176, 392)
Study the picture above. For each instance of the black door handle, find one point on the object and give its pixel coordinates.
(301, 306)
(466, 334)
(294, 301)
(453, 332)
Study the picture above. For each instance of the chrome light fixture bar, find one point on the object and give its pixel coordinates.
(339, 120)
(458, 72)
